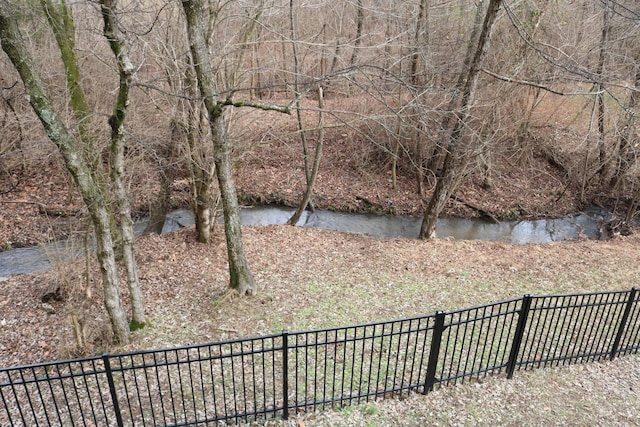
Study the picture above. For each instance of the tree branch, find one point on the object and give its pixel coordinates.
(536, 85)
(258, 105)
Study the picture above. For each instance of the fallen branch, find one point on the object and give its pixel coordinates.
(373, 204)
(45, 210)
(26, 202)
(218, 301)
(60, 212)
(258, 105)
(476, 208)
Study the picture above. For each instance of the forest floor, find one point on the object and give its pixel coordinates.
(39, 202)
(313, 279)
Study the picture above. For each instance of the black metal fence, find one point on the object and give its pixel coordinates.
(277, 375)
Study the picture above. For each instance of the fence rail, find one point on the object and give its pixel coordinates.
(276, 375)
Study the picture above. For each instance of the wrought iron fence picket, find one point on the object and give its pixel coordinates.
(631, 337)
(434, 352)
(623, 323)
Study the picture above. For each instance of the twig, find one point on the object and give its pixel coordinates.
(222, 298)
(227, 330)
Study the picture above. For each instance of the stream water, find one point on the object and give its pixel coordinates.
(584, 224)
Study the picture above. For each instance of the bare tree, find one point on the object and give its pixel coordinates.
(606, 29)
(421, 41)
(72, 153)
(435, 159)
(455, 160)
(317, 156)
(62, 24)
(628, 138)
(301, 129)
(118, 45)
(241, 277)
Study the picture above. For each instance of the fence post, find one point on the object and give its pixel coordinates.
(434, 352)
(623, 323)
(112, 389)
(517, 339)
(285, 374)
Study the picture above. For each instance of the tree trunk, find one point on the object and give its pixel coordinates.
(438, 153)
(61, 22)
(241, 278)
(358, 37)
(451, 176)
(421, 33)
(296, 89)
(158, 210)
(316, 164)
(203, 203)
(303, 135)
(125, 69)
(201, 163)
(439, 198)
(455, 161)
(602, 149)
(78, 168)
(626, 146)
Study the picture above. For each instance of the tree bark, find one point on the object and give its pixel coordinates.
(455, 162)
(203, 196)
(241, 278)
(116, 121)
(91, 193)
(602, 149)
(158, 210)
(358, 37)
(422, 32)
(626, 151)
(61, 22)
(311, 179)
(437, 154)
(201, 162)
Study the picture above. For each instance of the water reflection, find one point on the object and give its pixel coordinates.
(585, 224)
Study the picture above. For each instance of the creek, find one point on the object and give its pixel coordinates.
(585, 224)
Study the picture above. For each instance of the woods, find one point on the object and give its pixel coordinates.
(141, 96)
